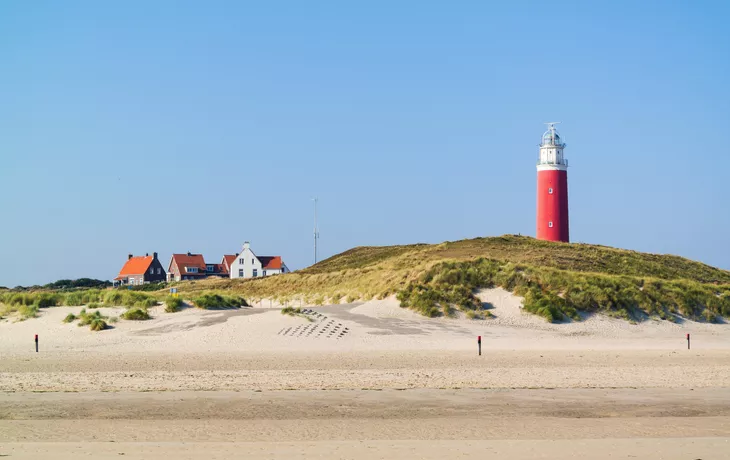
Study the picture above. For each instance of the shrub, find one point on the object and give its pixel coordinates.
(69, 318)
(173, 304)
(212, 301)
(136, 314)
(94, 305)
(97, 324)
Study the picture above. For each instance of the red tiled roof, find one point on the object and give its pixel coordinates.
(135, 266)
(228, 260)
(192, 260)
(270, 262)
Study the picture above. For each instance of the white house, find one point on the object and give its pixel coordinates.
(249, 265)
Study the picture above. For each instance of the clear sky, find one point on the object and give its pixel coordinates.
(176, 126)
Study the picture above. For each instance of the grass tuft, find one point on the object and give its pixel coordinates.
(136, 314)
(173, 304)
(216, 301)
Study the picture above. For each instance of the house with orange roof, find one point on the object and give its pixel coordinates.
(249, 265)
(192, 267)
(140, 270)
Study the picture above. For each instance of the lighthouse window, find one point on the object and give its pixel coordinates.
(550, 191)
(550, 224)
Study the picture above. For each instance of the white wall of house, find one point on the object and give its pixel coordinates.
(246, 265)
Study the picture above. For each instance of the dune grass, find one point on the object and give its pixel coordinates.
(96, 321)
(291, 311)
(559, 295)
(136, 314)
(173, 304)
(557, 280)
(209, 301)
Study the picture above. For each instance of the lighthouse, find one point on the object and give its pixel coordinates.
(552, 188)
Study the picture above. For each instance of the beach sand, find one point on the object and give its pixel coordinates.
(365, 380)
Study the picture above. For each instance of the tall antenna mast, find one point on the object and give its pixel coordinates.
(316, 233)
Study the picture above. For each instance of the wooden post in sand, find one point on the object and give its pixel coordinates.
(36, 343)
(479, 344)
(687, 341)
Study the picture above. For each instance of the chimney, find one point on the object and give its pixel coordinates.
(130, 256)
(237, 254)
(246, 245)
(189, 254)
(146, 254)
(154, 255)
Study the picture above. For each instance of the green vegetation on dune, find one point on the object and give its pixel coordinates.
(559, 295)
(291, 311)
(96, 321)
(136, 314)
(173, 304)
(210, 301)
(557, 280)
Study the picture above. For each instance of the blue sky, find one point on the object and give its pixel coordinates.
(193, 126)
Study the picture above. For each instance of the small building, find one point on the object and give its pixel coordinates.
(186, 267)
(249, 265)
(193, 266)
(140, 270)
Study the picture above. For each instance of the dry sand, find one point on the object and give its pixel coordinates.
(367, 380)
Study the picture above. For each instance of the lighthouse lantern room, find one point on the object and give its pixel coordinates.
(552, 188)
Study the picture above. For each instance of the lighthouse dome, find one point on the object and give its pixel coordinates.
(551, 137)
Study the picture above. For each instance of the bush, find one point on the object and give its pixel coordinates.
(173, 304)
(136, 314)
(213, 301)
(94, 305)
(97, 324)
(70, 318)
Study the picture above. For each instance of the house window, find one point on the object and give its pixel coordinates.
(240, 272)
(240, 261)
(209, 268)
(263, 273)
(191, 269)
(152, 270)
(550, 191)
(252, 262)
(159, 271)
(255, 272)
(550, 224)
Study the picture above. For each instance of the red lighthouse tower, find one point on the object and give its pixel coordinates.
(552, 188)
